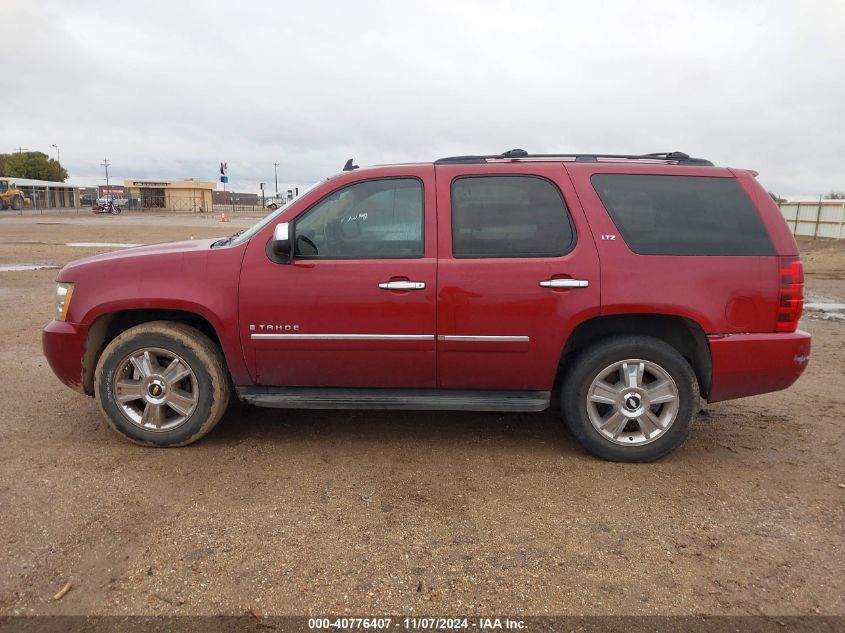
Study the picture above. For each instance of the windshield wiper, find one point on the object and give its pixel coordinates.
(225, 241)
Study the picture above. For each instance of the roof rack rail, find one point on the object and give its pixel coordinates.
(679, 158)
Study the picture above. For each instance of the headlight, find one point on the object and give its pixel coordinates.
(63, 294)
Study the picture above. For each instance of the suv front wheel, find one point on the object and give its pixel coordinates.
(162, 384)
(630, 398)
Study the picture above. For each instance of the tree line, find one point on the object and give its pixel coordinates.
(34, 165)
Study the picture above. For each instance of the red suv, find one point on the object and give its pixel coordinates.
(638, 284)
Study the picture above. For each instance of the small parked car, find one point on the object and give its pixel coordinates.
(633, 285)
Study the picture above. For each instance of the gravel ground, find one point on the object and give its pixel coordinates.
(282, 512)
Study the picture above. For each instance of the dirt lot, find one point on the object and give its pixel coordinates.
(413, 512)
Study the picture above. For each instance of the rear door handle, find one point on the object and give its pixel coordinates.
(564, 283)
(402, 285)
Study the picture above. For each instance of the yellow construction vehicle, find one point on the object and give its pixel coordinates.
(10, 196)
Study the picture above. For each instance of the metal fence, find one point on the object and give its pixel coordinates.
(159, 203)
(192, 205)
(825, 218)
(245, 210)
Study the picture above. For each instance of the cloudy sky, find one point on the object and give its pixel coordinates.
(170, 89)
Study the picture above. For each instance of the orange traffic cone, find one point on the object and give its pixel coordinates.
(223, 218)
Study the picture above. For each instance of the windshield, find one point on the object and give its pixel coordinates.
(243, 235)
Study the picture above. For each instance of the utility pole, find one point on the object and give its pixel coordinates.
(276, 169)
(21, 150)
(105, 164)
(58, 156)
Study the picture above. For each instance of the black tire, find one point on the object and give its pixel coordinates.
(17, 203)
(2, 204)
(116, 210)
(210, 382)
(602, 355)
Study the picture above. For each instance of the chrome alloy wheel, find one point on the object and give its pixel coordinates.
(155, 389)
(632, 402)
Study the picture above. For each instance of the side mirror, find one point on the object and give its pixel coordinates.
(282, 245)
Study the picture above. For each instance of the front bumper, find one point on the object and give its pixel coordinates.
(64, 347)
(751, 364)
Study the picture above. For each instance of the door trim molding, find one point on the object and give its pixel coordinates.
(467, 338)
(346, 337)
(457, 338)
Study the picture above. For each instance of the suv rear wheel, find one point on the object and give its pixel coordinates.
(630, 398)
(162, 384)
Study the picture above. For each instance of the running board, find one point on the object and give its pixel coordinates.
(428, 399)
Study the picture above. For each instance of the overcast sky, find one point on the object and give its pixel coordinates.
(170, 89)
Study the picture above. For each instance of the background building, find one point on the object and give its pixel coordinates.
(46, 194)
(173, 195)
(233, 197)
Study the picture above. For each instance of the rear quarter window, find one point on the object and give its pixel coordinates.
(683, 215)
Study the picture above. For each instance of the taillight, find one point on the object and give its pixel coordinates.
(791, 299)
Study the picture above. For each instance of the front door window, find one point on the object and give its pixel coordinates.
(374, 219)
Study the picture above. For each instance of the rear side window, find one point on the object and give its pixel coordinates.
(509, 216)
(683, 215)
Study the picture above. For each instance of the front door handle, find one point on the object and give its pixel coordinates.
(564, 283)
(402, 285)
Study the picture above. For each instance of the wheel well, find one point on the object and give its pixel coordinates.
(108, 326)
(684, 335)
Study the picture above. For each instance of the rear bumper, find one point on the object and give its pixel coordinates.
(64, 346)
(750, 364)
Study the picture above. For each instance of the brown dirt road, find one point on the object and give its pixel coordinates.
(407, 512)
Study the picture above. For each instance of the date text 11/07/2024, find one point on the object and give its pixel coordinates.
(416, 624)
